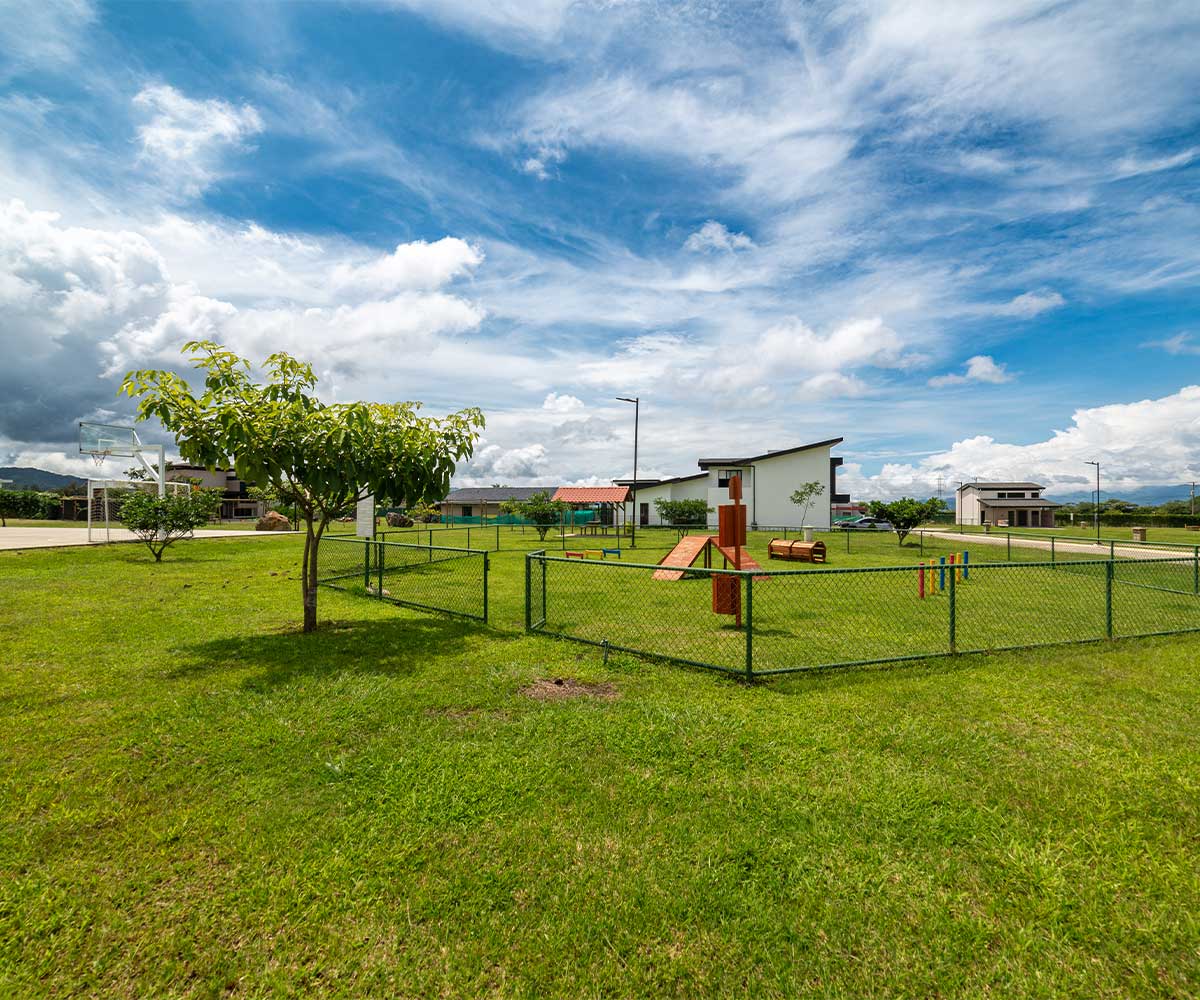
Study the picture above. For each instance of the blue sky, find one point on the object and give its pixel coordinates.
(962, 236)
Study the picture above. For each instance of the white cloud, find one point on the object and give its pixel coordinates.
(539, 163)
(527, 462)
(714, 236)
(1028, 305)
(417, 265)
(1179, 344)
(1131, 166)
(184, 139)
(980, 368)
(564, 403)
(1152, 441)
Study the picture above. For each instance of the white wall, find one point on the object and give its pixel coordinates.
(695, 489)
(775, 479)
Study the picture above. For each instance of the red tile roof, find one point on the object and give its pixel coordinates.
(592, 494)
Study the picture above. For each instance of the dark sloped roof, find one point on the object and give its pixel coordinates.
(1003, 486)
(495, 494)
(1016, 504)
(705, 463)
(649, 483)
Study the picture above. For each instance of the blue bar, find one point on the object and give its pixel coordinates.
(941, 572)
(965, 567)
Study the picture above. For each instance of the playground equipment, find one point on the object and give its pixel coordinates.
(931, 576)
(730, 541)
(781, 548)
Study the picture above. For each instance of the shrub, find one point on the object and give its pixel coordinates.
(28, 504)
(160, 521)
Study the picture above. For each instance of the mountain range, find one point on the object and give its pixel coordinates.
(24, 478)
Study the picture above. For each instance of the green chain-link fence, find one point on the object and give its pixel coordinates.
(428, 577)
(795, 620)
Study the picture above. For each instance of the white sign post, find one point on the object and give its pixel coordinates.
(365, 527)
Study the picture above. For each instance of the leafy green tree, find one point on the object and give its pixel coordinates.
(907, 513)
(328, 456)
(424, 512)
(539, 510)
(681, 513)
(804, 497)
(162, 521)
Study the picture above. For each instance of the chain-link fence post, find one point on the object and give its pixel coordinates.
(953, 616)
(379, 567)
(528, 591)
(485, 588)
(1108, 595)
(497, 536)
(1196, 569)
(749, 627)
(1111, 549)
(366, 563)
(1008, 545)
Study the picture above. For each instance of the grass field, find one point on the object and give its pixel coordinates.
(1086, 532)
(200, 801)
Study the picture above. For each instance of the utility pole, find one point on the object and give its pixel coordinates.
(1193, 499)
(636, 401)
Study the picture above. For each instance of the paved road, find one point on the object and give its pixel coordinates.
(48, 538)
(1099, 551)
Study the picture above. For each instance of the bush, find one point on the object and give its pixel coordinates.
(160, 521)
(29, 504)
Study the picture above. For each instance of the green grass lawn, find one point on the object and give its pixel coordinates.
(1086, 532)
(200, 801)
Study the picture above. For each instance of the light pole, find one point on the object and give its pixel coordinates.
(958, 503)
(636, 401)
(1096, 510)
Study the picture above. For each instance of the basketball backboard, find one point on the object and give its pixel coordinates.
(108, 439)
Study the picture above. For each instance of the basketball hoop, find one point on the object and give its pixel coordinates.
(98, 457)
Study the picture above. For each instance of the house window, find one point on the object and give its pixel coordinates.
(724, 475)
(468, 510)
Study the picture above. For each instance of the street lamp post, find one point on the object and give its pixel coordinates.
(636, 401)
(1096, 509)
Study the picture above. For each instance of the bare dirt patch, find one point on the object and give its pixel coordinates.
(562, 688)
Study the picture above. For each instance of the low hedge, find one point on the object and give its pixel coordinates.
(30, 504)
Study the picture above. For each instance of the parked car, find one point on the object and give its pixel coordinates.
(866, 524)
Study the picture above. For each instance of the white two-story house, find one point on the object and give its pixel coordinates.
(1005, 505)
(768, 481)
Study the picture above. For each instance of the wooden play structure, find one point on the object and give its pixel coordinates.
(782, 548)
(730, 542)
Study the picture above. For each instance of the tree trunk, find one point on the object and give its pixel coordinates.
(308, 576)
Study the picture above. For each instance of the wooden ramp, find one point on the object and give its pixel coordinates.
(684, 555)
(747, 562)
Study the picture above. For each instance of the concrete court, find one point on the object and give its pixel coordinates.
(48, 538)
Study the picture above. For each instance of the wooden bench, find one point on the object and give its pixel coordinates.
(575, 555)
(605, 553)
(781, 548)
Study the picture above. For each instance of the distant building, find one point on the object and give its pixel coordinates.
(235, 502)
(485, 501)
(768, 481)
(1005, 505)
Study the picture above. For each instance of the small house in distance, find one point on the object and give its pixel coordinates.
(471, 503)
(1005, 505)
(768, 480)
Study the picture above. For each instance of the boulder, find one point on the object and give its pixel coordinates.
(395, 520)
(272, 520)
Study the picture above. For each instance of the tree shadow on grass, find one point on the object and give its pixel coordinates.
(403, 647)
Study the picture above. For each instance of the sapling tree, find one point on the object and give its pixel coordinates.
(323, 456)
(906, 513)
(162, 521)
(539, 510)
(804, 497)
